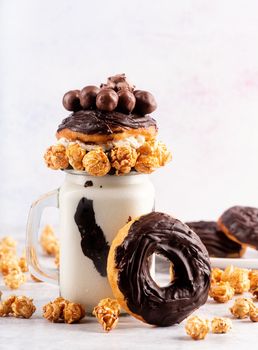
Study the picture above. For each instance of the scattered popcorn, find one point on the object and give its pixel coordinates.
(96, 163)
(23, 307)
(49, 241)
(75, 154)
(253, 313)
(221, 292)
(221, 325)
(15, 278)
(238, 278)
(107, 312)
(253, 276)
(23, 264)
(123, 159)
(216, 275)
(63, 310)
(197, 327)
(241, 307)
(56, 158)
(17, 306)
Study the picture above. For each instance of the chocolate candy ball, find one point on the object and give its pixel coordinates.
(127, 100)
(107, 100)
(145, 102)
(71, 100)
(88, 96)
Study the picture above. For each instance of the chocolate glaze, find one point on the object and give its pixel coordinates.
(98, 122)
(162, 234)
(93, 243)
(216, 242)
(242, 223)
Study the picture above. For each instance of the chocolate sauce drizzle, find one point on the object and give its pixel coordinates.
(93, 243)
(216, 242)
(98, 122)
(162, 234)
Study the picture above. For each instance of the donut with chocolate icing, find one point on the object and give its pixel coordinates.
(217, 243)
(240, 224)
(129, 274)
(100, 127)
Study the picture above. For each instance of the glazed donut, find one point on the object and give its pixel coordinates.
(96, 126)
(129, 274)
(241, 225)
(216, 242)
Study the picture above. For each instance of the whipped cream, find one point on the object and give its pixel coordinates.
(131, 141)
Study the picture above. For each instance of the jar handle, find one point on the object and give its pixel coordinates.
(49, 199)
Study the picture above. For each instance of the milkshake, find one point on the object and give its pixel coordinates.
(107, 147)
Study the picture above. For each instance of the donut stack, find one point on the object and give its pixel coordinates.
(109, 131)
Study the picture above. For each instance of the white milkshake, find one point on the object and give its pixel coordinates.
(115, 200)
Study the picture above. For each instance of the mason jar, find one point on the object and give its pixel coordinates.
(92, 210)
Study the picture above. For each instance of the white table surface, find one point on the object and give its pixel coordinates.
(38, 333)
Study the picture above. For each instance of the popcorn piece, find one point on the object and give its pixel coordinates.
(96, 163)
(241, 307)
(73, 312)
(164, 156)
(253, 313)
(253, 276)
(52, 311)
(7, 246)
(23, 264)
(61, 309)
(56, 158)
(238, 278)
(123, 159)
(197, 327)
(14, 279)
(5, 306)
(221, 292)
(23, 307)
(221, 325)
(107, 312)
(49, 241)
(216, 275)
(146, 164)
(75, 154)
(17, 306)
(8, 263)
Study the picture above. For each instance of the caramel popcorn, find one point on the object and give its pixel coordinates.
(146, 164)
(8, 244)
(14, 279)
(221, 325)
(17, 306)
(61, 309)
(8, 263)
(253, 276)
(73, 312)
(75, 154)
(241, 307)
(96, 163)
(164, 156)
(56, 158)
(23, 307)
(216, 275)
(253, 313)
(23, 264)
(221, 292)
(107, 312)
(123, 159)
(52, 312)
(49, 241)
(238, 278)
(197, 327)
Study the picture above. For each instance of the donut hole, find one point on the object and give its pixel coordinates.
(164, 270)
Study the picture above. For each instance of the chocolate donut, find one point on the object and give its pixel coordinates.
(217, 243)
(129, 274)
(241, 224)
(101, 127)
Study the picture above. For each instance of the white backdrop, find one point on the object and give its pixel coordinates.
(199, 58)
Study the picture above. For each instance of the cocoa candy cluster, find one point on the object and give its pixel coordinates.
(117, 94)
